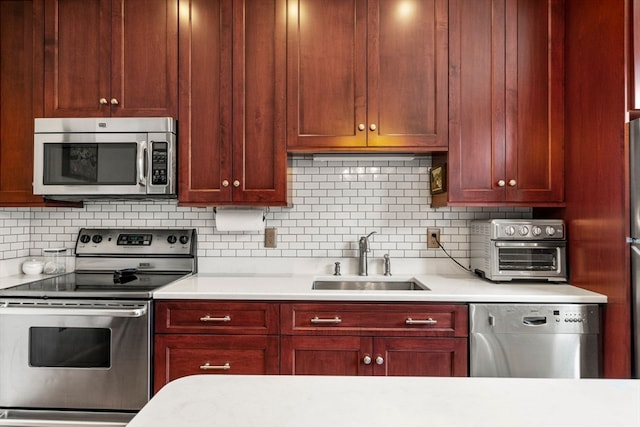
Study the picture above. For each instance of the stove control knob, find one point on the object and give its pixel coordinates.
(96, 238)
(85, 238)
(524, 230)
(509, 230)
(536, 230)
(172, 239)
(184, 239)
(550, 230)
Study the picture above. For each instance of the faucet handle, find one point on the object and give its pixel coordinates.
(336, 271)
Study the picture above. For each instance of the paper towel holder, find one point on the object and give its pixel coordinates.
(265, 211)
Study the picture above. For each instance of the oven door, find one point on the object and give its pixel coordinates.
(544, 260)
(76, 355)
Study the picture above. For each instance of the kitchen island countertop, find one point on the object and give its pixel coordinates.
(443, 287)
(245, 400)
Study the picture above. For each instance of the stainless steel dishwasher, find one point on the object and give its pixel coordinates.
(534, 341)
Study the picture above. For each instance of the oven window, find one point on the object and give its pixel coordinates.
(70, 347)
(90, 163)
(528, 259)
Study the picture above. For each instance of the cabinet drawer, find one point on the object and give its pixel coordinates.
(216, 317)
(376, 319)
(177, 356)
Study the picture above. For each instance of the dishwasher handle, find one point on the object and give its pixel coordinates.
(534, 320)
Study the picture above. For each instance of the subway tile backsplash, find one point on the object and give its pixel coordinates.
(333, 203)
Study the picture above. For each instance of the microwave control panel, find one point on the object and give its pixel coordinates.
(159, 163)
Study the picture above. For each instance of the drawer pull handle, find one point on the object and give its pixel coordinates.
(428, 321)
(208, 367)
(208, 318)
(335, 320)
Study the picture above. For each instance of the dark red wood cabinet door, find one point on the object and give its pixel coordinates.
(326, 73)
(259, 91)
(433, 357)
(77, 58)
(407, 69)
(506, 103)
(111, 58)
(21, 47)
(144, 58)
(205, 135)
(177, 356)
(323, 355)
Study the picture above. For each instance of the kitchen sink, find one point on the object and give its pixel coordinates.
(369, 285)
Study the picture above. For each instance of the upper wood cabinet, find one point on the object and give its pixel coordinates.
(506, 103)
(232, 147)
(20, 98)
(367, 75)
(111, 58)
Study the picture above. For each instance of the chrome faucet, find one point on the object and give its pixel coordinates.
(364, 248)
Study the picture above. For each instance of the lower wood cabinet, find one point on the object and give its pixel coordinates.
(328, 338)
(196, 337)
(374, 339)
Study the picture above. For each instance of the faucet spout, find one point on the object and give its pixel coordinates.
(364, 248)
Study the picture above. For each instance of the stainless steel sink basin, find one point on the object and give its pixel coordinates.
(368, 285)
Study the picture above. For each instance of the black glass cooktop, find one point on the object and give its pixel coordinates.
(94, 285)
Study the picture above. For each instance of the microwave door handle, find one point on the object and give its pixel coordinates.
(142, 163)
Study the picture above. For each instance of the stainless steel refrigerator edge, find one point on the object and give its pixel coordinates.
(634, 200)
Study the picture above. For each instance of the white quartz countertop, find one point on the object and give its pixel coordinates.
(282, 401)
(443, 287)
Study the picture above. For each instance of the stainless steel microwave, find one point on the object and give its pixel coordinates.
(77, 158)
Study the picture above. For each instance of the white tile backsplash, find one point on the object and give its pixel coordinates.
(333, 203)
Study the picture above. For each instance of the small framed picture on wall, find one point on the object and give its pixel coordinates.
(438, 179)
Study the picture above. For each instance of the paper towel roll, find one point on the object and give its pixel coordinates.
(239, 219)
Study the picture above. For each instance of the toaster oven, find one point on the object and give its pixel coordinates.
(509, 249)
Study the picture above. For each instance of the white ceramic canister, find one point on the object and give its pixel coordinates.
(32, 266)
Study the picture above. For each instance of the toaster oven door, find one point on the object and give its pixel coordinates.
(530, 259)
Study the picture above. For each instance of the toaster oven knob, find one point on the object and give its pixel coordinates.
(171, 239)
(96, 238)
(85, 238)
(524, 230)
(536, 230)
(509, 230)
(550, 231)
(184, 239)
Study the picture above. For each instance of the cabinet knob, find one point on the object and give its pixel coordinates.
(103, 101)
(379, 360)
(501, 183)
(236, 183)
(225, 183)
(361, 126)
(512, 183)
(114, 101)
(373, 126)
(366, 359)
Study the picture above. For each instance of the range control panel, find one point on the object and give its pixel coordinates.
(123, 242)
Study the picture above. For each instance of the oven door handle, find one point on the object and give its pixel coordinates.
(529, 244)
(71, 311)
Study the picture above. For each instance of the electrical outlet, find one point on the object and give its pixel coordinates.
(433, 237)
(270, 237)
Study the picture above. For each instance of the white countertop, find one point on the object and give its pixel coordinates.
(282, 401)
(452, 287)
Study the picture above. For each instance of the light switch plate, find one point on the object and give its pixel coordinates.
(270, 237)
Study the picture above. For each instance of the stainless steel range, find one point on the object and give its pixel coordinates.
(76, 348)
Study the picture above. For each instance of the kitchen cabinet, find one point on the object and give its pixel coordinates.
(193, 337)
(111, 58)
(634, 61)
(506, 103)
(232, 148)
(374, 339)
(367, 75)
